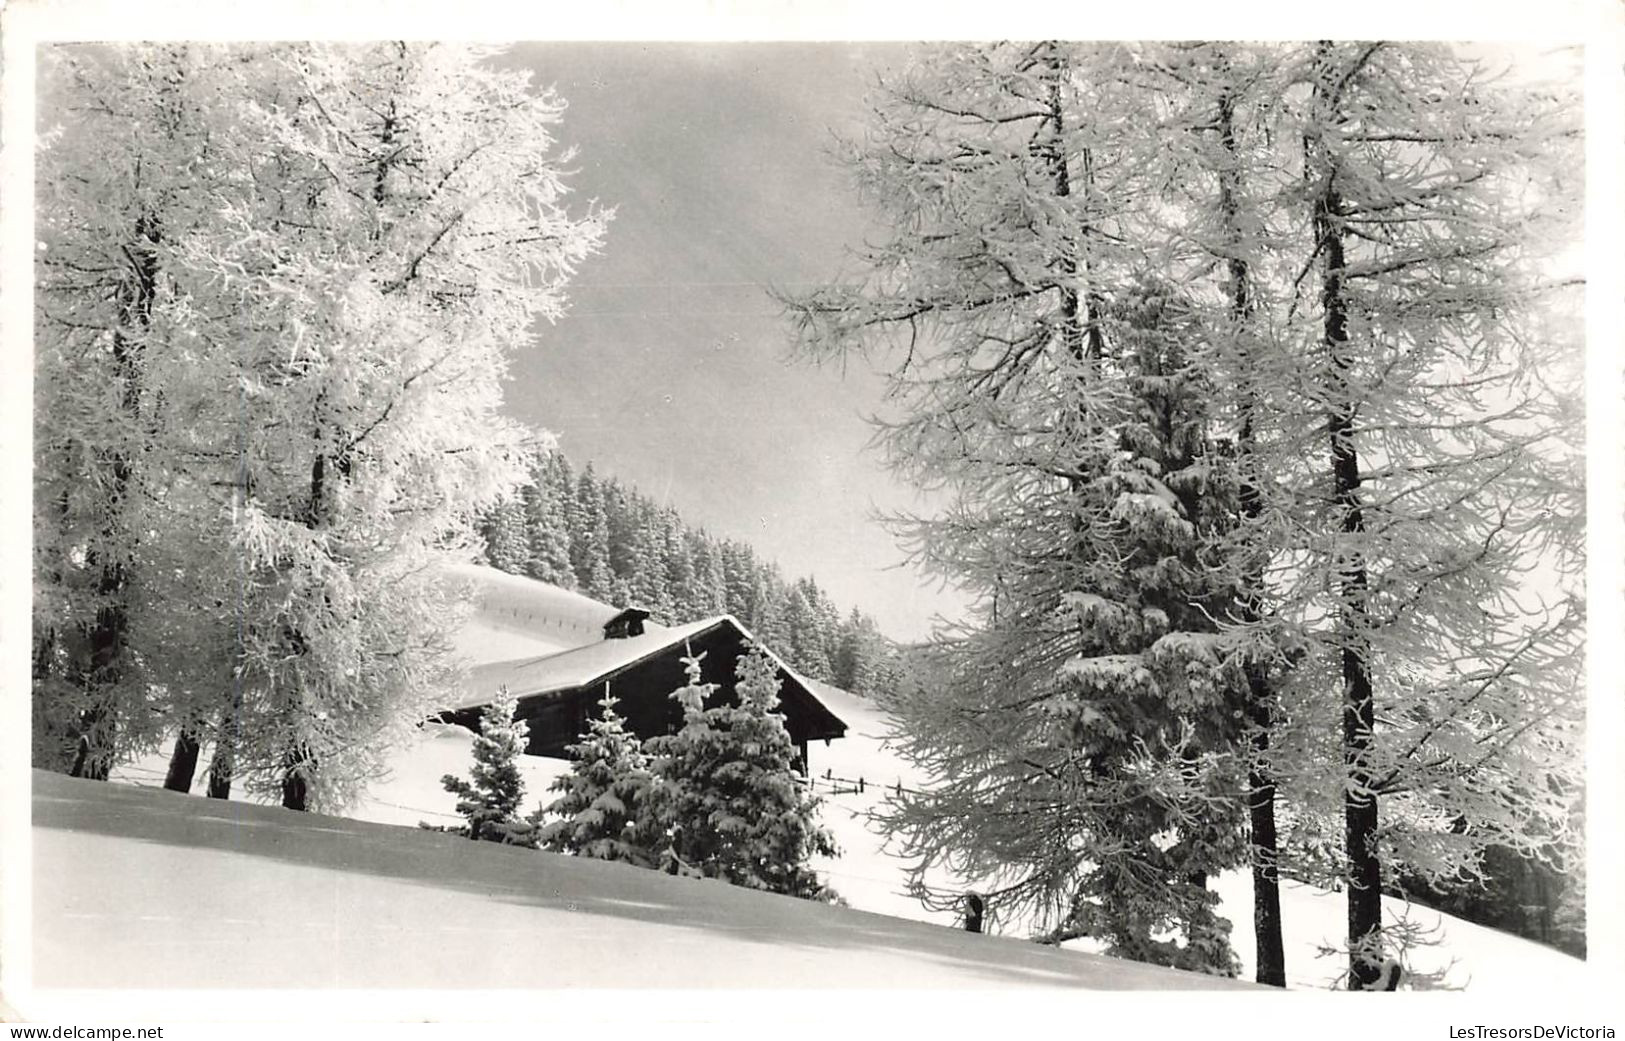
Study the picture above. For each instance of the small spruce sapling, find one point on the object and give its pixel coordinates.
(600, 811)
(490, 801)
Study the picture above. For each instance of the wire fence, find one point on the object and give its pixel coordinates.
(414, 809)
(830, 784)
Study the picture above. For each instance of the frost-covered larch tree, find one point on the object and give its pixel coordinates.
(1425, 399)
(1208, 233)
(381, 226)
(407, 237)
(109, 206)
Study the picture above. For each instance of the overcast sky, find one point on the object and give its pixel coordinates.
(671, 370)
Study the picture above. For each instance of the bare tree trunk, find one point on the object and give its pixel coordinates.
(182, 761)
(295, 786)
(219, 778)
(223, 766)
(1080, 332)
(1271, 951)
(98, 729)
(106, 636)
(1359, 710)
(299, 763)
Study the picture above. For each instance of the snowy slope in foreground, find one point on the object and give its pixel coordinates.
(1463, 955)
(143, 888)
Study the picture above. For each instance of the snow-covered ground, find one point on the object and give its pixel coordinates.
(143, 888)
(1461, 955)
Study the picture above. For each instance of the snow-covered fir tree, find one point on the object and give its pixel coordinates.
(589, 543)
(601, 808)
(623, 509)
(647, 560)
(506, 547)
(548, 500)
(1152, 693)
(769, 604)
(1084, 745)
(803, 625)
(784, 831)
(682, 580)
(739, 582)
(858, 654)
(727, 801)
(489, 800)
(709, 581)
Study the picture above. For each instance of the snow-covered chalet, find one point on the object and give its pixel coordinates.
(557, 652)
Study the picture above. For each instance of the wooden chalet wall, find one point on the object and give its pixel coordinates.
(643, 692)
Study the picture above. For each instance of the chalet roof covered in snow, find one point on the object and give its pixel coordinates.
(576, 667)
(516, 617)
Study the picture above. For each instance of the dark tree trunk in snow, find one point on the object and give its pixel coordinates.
(1271, 953)
(1053, 150)
(295, 792)
(1081, 333)
(295, 786)
(222, 766)
(974, 906)
(219, 779)
(300, 763)
(98, 730)
(106, 637)
(182, 762)
(1359, 710)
